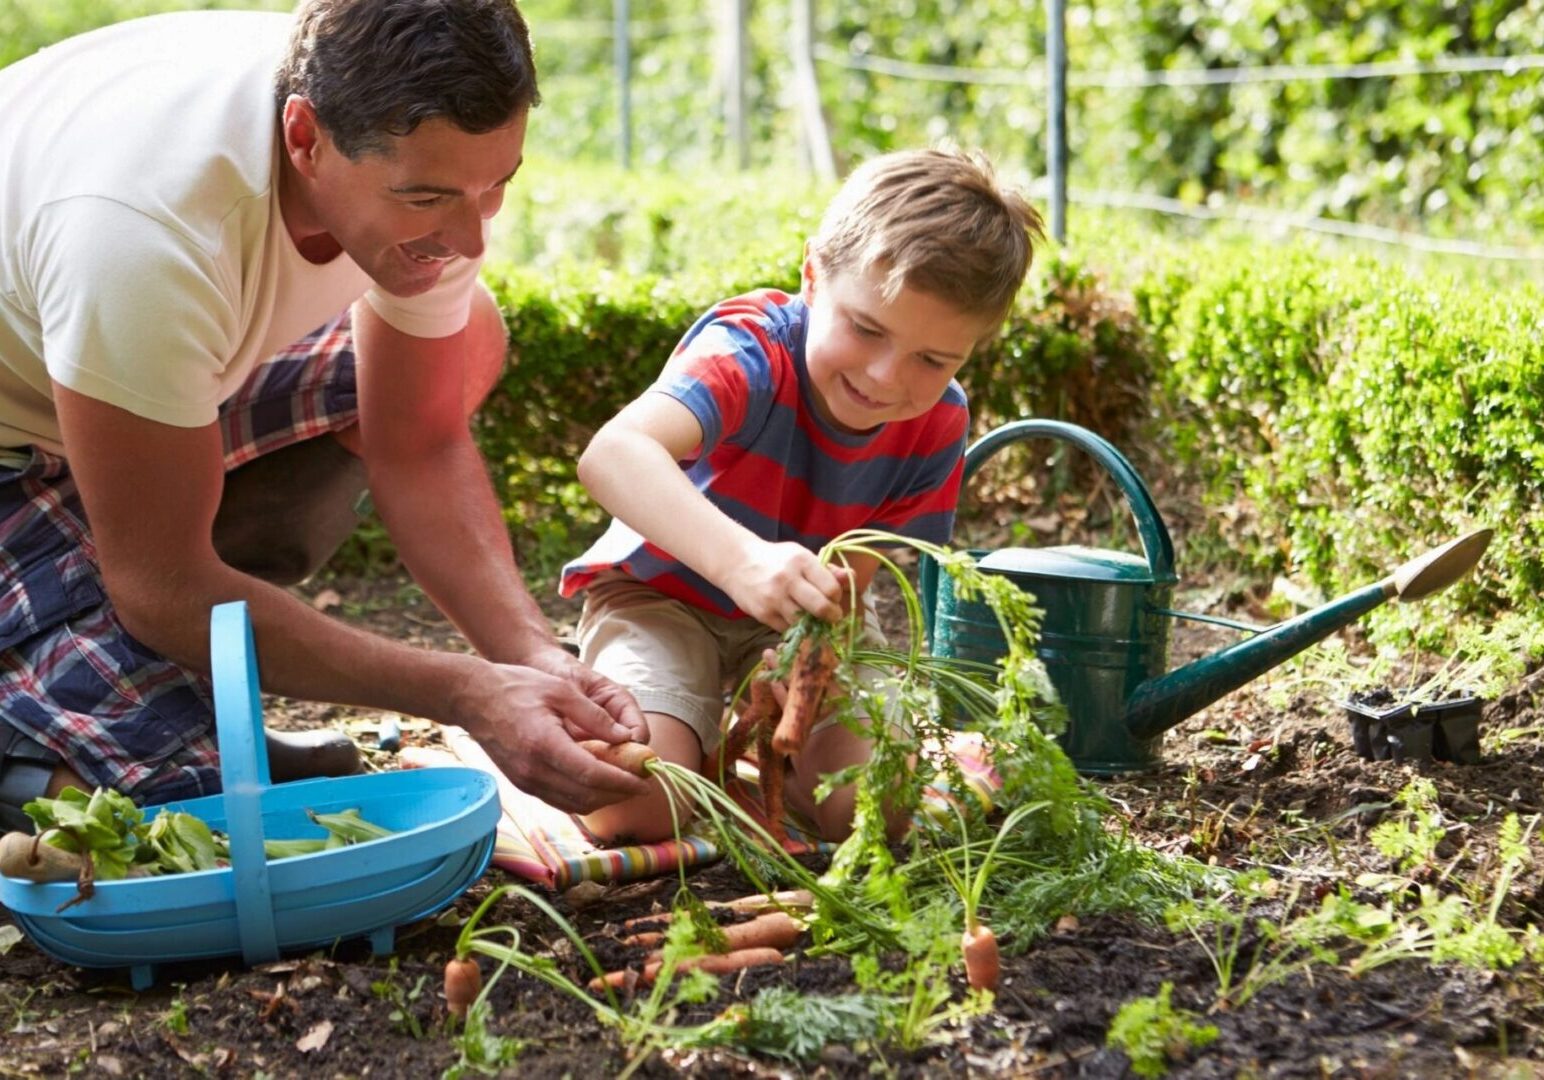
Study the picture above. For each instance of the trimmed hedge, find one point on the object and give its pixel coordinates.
(585, 342)
(1338, 414)
(1359, 414)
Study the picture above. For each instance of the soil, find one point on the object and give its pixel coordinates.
(1253, 781)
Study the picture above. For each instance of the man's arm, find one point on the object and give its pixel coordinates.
(631, 468)
(431, 486)
(151, 491)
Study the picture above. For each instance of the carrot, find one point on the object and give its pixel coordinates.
(761, 903)
(772, 772)
(718, 963)
(982, 963)
(774, 930)
(425, 757)
(29, 858)
(813, 666)
(632, 756)
(759, 712)
(463, 981)
(625, 980)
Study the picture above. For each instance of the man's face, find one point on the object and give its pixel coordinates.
(402, 216)
(872, 361)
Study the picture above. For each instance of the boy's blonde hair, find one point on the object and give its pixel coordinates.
(936, 221)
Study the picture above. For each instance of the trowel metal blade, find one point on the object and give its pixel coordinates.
(1440, 567)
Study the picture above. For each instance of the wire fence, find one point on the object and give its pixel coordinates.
(807, 91)
(1035, 78)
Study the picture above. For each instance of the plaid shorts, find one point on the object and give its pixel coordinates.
(71, 677)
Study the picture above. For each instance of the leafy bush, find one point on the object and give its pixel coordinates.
(1336, 413)
(1359, 412)
(28, 25)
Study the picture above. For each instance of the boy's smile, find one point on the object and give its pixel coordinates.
(872, 361)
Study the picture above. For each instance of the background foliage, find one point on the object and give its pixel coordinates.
(1330, 409)
(28, 25)
(1334, 413)
(1454, 155)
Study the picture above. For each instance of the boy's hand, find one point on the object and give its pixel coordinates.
(776, 582)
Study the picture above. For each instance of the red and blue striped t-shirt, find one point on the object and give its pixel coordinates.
(770, 462)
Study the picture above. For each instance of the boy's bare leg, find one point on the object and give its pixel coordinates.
(829, 750)
(64, 777)
(647, 819)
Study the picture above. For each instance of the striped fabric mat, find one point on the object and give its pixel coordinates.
(547, 846)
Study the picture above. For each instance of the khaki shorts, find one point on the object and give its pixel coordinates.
(674, 658)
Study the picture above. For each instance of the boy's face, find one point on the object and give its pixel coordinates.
(872, 361)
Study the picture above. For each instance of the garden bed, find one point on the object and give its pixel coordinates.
(1245, 784)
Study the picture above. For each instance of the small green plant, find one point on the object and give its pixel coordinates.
(1224, 924)
(921, 985)
(1477, 658)
(1410, 838)
(481, 1049)
(644, 1027)
(1154, 1034)
(979, 943)
(1484, 658)
(1422, 912)
(1462, 927)
(176, 1018)
(401, 998)
(783, 1023)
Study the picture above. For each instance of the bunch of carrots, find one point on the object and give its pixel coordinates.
(809, 678)
(759, 941)
(775, 734)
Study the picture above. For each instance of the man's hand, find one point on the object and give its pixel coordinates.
(776, 582)
(528, 721)
(616, 702)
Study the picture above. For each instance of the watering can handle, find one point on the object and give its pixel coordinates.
(238, 713)
(1155, 535)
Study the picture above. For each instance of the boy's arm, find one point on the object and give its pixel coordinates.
(631, 468)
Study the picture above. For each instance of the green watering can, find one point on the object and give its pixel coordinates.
(1105, 633)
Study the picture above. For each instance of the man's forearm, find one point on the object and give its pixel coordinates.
(441, 513)
(302, 653)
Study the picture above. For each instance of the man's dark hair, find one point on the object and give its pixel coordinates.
(379, 68)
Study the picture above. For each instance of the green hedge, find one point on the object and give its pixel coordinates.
(1335, 413)
(586, 341)
(1354, 411)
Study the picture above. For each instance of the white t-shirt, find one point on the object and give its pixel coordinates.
(144, 261)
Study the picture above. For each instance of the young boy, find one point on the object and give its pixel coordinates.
(779, 423)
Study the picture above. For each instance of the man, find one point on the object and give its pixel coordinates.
(183, 198)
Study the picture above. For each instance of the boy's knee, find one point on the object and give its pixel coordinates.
(645, 820)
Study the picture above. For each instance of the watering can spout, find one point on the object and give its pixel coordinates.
(1160, 703)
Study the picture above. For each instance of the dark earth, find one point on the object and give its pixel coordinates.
(1265, 778)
